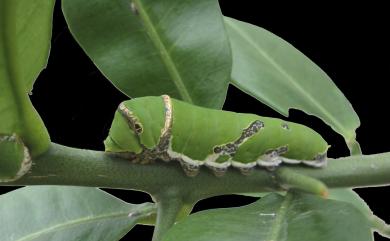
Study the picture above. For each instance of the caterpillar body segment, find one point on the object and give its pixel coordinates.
(149, 128)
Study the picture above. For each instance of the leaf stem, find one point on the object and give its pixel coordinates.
(380, 226)
(170, 208)
(354, 147)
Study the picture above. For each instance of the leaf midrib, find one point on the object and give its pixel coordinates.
(290, 79)
(74, 222)
(9, 54)
(280, 217)
(163, 52)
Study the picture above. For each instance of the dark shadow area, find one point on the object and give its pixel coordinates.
(225, 201)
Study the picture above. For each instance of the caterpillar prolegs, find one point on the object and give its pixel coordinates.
(149, 128)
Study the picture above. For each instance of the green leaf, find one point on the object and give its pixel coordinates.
(25, 31)
(55, 213)
(295, 217)
(274, 72)
(349, 196)
(148, 47)
(33, 22)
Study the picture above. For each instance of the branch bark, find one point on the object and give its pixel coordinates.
(69, 166)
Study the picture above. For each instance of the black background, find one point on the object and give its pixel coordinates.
(348, 42)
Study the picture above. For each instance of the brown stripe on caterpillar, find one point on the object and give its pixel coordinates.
(160, 151)
(272, 158)
(166, 131)
(131, 119)
(319, 161)
(146, 156)
(232, 147)
(229, 149)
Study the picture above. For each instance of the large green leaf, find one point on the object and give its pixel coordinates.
(273, 71)
(348, 195)
(33, 22)
(148, 47)
(339, 194)
(25, 30)
(55, 213)
(297, 217)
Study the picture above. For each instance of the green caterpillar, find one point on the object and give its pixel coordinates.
(149, 128)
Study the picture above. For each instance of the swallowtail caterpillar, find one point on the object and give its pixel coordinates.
(149, 128)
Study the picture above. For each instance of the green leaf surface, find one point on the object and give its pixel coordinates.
(33, 22)
(25, 31)
(148, 47)
(339, 194)
(295, 217)
(350, 196)
(55, 213)
(274, 72)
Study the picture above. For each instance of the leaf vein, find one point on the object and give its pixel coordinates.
(165, 55)
(280, 217)
(74, 222)
(289, 78)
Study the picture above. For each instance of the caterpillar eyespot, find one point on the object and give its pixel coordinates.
(150, 128)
